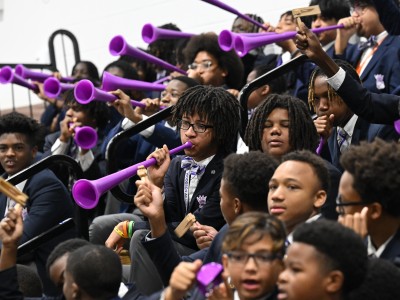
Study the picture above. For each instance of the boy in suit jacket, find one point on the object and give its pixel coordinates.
(377, 61)
(368, 196)
(49, 202)
(373, 107)
(208, 117)
(336, 123)
(326, 261)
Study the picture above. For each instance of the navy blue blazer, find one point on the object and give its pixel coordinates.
(49, 203)
(392, 250)
(363, 131)
(207, 188)
(385, 61)
(373, 107)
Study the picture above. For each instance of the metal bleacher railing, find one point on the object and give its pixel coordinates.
(52, 66)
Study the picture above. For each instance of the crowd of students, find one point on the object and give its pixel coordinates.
(284, 220)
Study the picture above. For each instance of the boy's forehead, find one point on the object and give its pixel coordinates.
(294, 169)
(14, 137)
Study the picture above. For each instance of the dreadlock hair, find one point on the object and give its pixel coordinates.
(339, 248)
(302, 132)
(332, 9)
(376, 171)
(332, 95)
(15, 122)
(96, 109)
(218, 107)
(229, 61)
(165, 48)
(255, 224)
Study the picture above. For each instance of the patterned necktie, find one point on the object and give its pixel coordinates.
(342, 139)
(371, 42)
(195, 169)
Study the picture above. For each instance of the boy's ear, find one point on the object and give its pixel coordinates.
(76, 293)
(237, 206)
(375, 210)
(265, 90)
(319, 199)
(334, 282)
(225, 263)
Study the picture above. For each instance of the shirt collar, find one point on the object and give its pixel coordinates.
(349, 127)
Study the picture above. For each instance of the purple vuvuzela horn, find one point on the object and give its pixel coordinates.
(8, 76)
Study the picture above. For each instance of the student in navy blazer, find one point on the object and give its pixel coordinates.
(137, 148)
(244, 187)
(378, 63)
(334, 115)
(373, 107)
(368, 196)
(49, 202)
(208, 117)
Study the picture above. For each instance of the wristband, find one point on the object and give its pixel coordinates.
(130, 228)
(120, 233)
(125, 229)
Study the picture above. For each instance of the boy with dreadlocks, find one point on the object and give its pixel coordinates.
(208, 117)
(336, 123)
(282, 124)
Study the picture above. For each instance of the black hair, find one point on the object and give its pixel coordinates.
(332, 95)
(98, 110)
(376, 170)
(97, 270)
(381, 282)
(341, 249)
(190, 82)
(278, 84)
(29, 282)
(141, 65)
(129, 71)
(92, 70)
(361, 3)
(315, 162)
(63, 248)
(218, 107)
(332, 9)
(15, 122)
(165, 48)
(254, 28)
(302, 132)
(229, 61)
(248, 176)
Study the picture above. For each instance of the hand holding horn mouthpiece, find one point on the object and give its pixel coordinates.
(87, 192)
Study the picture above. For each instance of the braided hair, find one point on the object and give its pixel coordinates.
(218, 107)
(302, 132)
(332, 95)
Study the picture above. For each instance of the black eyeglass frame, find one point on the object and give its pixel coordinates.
(198, 128)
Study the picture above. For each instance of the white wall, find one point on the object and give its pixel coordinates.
(26, 25)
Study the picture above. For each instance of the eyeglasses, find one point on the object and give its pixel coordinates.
(173, 94)
(197, 127)
(340, 204)
(261, 259)
(205, 65)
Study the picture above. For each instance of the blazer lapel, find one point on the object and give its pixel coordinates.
(376, 57)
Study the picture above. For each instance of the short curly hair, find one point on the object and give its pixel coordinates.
(15, 122)
(229, 61)
(248, 176)
(341, 248)
(376, 170)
